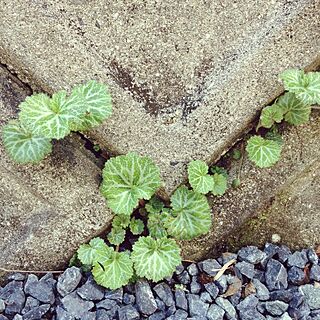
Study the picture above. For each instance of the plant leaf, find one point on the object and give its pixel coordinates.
(220, 170)
(263, 152)
(22, 145)
(190, 215)
(155, 225)
(97, 104)
(155, 259)
(305, 86)
(219, 184)
(126, 179)
(199, 178)
(121, 221)
(295, 111)
(270, 115)
(50, 118)
(116, 236)
(114, 272)
(96, 251)
(155, 205)
(136, 226)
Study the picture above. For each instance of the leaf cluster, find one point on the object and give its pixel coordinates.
(43, 118)
(293, 107)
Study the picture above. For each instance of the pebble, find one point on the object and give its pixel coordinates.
(251, 254)
(116, 295)
(276, 275)
(30, 304)
(181, 300)
(312, 296)
(262, 291)
(215, 312)
(283, 295)
(222, 284)
(129, 298)
(276, 308)
(76, 306)
(36, 312)
(283, 253)
(159, 315)
(196, 306)
(246, 269)
(195, 287)
(184, 277)
(68, 281)
(40, 290)
(91, 291)
(312, 256)
(128, 313)
(2, 305)
(298, 259)
(212, 289)
(296, 276)
(193, 269)
(106, 304)
(315, 273)
(164, 292)
(227, 307)
(144, 298)
(210, 266)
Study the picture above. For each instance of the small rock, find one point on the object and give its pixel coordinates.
(64, 315)
(49, 279)
(11, 287)
(252, 314)
(160, 304)
(106, 304)
(277, 307)
(283, 295)
(250, 302)
(228, 256)
(179, 269)
(171, 310)
(128, 313)
(193, 269)
(312, 296)
(235, 298)
(40, 290)
(262, 291)
(210, 266)
(2, 317)
(270, 250)
(184, 277)
(101, 314)
(212, 289)
(298, 259)
(17, 317)
(164, 292)
(285, 316)
(196, 306)
(283, 253)
(76, 306)
(222, 284)
(129, 298)
(205, 297)
(296, 276)
(159, 315)
(227, 307)
(179, 315)
(315, 273)
(30, 304)
(16, 276)
(144, 298)
(37, 312)
(91, 315)
(215, 312)
(246, 269)
(2, 305)
(68, 281)
(195, 287)
(116, 295)
(312, 256)
(15, 301)
(276, 275)
(259, 275)
(91, 291)
(181, 300)
(251, 254)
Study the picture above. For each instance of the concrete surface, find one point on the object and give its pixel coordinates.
(284, 199)
(46, 210)
(186, 78)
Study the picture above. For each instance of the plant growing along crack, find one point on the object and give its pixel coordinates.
(293, 107)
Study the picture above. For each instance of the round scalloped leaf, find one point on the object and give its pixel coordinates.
(136, 226)
(219, 184)
(97, 103)
(155, 259)
(121, 221)
(190, 215)
(114, 272)
(96, 251)
(295, 111)
(22, 145)
(305, 86)
(155, 205)
(270, 115)
(127, 179)
(155, 225)
(263, 152)
(199, 178)
(50, 118)
(116, 236)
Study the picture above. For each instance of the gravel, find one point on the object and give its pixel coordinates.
(268, 284)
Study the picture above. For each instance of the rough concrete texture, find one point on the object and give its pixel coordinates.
(46, 210)
(186, 78)
(283, 199)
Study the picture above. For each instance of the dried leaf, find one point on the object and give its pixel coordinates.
(249, 289)
(233, 288)
(224, 268)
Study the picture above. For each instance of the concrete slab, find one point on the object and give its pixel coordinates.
(186, 78)
(283, 199)
(46, 210)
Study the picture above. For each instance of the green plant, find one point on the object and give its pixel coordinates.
(293, 107)
(42, 119)
(126, 180)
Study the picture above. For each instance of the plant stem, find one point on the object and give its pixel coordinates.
(29, 271)
(191, 261)
(315, 107)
